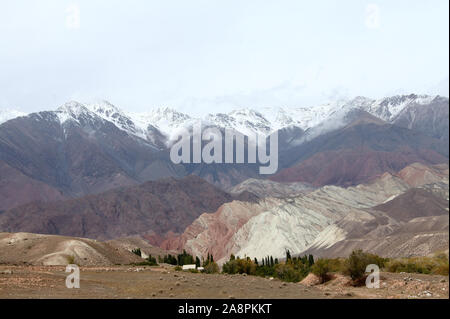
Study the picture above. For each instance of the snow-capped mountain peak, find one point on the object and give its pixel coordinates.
(121, 119)
(164, 119)
(105, 109)
(161, 124)
(388, 108)
(169, 114)
(71, 111)
(245, 121)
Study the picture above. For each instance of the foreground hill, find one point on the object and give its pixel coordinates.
(36, 249)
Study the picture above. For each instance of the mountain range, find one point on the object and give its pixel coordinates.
(82, 149)
(422, 112)
(315, 221)
(354, 173)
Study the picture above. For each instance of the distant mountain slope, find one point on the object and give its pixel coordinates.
(154, 208)
(82, 149)
(77, 152)
(316, 220)
(267, 188)
(418, 174)
(416, 202)
(422, 236)
(360, 151)
(17, 188)
(432, 119)
(275, 224)
(414, 223)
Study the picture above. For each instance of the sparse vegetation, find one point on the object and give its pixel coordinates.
(437, 265)
(70, 260)
(356, 263)
(239, 266)
(287, 272)
(212, 268)
(293, 270)
(150, 261)
(321, 269)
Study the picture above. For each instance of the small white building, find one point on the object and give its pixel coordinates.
(188, 267)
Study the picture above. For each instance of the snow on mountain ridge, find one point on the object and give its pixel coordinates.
(71, 111)
(8, 114)
(164, 119)
(163, 123)
(167, 121)
(111, 113)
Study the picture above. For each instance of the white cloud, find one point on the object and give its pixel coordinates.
(372, 16)
(73, 16)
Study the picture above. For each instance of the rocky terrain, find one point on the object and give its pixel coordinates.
(401, 214)
(360, 151)
(267, 188)
(394, 215)
(153, 208)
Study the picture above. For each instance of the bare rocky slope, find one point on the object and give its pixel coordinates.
(153, 208)
(363, 149)
(38, 249)
(17, 188)
(267, 188)
(322, 220)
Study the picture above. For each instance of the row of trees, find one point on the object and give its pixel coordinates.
(186, 259)
(294, 269)
(181, 259)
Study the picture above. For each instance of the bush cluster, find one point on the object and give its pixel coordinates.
(437, 265)
(293, 270)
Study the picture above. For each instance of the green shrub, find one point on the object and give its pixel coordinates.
(70, 260)
(356, 263)
(287, 272)
(336, 265)
(441, 270)
(230, 267)
(437, 265)
(320, 269)
(212, 268)
(178, 268)
(240, 266)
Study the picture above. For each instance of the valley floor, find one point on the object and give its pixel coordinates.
(164, 282)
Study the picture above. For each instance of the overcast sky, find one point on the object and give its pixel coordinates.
(210, 56)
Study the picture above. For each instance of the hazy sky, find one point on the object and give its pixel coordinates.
(206, 56)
